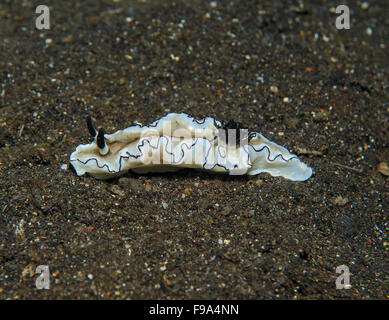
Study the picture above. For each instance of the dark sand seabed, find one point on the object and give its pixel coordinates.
(281, 69)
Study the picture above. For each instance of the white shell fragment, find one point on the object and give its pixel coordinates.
(177, 141)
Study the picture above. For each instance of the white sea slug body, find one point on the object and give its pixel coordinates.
(177, 141)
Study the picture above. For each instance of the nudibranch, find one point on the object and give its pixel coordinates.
(178, 141)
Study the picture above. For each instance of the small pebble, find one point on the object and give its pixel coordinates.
(320, 116)
(365, 5)
(273, 89)
(369, 31)
(383, 168)
(175, 58)
(226, 210)
(340, 201)
(115, 189)
(134, 184)
(259, 182)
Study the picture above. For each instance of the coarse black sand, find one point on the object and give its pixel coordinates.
(281, 68)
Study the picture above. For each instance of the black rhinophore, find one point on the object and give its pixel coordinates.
(100, 139)
(91, 127)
